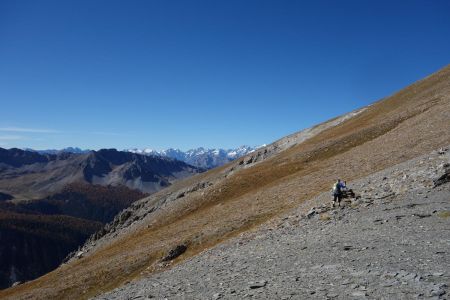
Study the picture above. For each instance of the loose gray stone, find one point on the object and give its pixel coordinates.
(359, 294)
(257, 284)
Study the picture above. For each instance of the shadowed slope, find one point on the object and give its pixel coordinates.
(244, 193)
(91, 187)
(31, 244)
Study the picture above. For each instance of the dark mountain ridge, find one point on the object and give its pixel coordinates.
(17, 157)
(51, 203)
(29, 175)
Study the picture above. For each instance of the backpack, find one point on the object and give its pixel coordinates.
(336, 188)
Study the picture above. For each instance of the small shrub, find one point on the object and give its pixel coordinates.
(325, 217)
(444, 214)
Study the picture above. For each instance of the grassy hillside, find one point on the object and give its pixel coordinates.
(409, 123)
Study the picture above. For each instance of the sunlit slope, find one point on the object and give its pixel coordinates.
(243, 194)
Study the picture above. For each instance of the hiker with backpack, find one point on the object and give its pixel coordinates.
(337, 190)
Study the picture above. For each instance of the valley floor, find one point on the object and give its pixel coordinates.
(392, 243)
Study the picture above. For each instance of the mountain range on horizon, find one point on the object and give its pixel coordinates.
(57, 151)
(206, 158)
(200, 157)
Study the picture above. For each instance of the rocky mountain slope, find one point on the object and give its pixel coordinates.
(390, 241)
(200, 157)
(51, 203)
(196, 214)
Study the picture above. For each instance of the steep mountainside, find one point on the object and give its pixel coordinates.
(202, 211)
(389, 241)
(200, 157)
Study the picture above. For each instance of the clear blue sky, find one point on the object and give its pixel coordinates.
(208, 73)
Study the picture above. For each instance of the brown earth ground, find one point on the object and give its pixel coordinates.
(410, 123)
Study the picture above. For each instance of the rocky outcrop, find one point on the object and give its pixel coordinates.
(175, 252)
(444, 172)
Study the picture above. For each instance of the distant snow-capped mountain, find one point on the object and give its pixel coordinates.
(55, 151)
(200, 157)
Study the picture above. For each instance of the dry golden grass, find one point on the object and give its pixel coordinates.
(325, 217)
(444, 214)
(409, 123)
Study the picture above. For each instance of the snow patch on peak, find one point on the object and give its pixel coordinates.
(200, 157)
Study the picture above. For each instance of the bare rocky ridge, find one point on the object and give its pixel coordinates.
(390, 241)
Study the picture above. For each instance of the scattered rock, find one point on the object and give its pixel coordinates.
(402, 274)
(332, 296)
(79, 254)
(311, 212)
(410, 276)
(174, 253)
(359, 294)
(443, 178)
(421, 216)
(442, 151)
(257, 284)
(437, 293)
